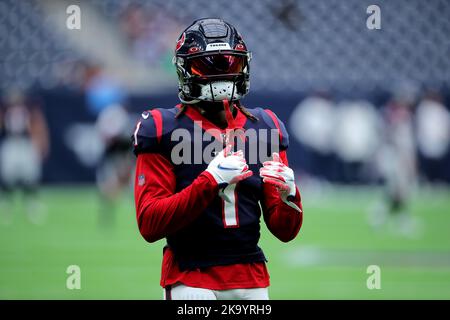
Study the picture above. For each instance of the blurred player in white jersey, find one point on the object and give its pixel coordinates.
(115, 167)
(397, 165)
(23, 147)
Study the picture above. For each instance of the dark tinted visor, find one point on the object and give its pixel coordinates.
(216, 64)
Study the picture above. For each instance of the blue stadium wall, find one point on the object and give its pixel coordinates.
(63, 108)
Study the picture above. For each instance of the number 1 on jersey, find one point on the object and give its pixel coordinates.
(229, 207)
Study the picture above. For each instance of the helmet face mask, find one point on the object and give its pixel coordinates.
(211, 66)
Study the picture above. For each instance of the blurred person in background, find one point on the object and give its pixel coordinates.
(355, 137)
(24, 146)
(101, 89)
(397, 165)
(116, 164)
(312, 124)
(433, 134)
(105, 99)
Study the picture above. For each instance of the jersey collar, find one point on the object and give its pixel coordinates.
(239, 120)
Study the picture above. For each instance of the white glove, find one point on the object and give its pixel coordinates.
(282, 177)
(228, 168)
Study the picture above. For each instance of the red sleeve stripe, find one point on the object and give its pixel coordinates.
(157, 117)
(275, 120)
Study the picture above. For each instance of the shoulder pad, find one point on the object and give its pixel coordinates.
(273, 122)
(150, 129)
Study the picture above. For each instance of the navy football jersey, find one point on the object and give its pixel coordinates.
(228, 231)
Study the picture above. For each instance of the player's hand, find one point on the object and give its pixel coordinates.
(229, 167)
(282, 177)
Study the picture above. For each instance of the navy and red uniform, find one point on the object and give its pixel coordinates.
(180, 202)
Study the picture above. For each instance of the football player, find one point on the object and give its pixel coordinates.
(209, 211)
(23, 148)
(114, 171)
(397, 164)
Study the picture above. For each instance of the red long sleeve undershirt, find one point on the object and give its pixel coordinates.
(283, 221)
(161, 212)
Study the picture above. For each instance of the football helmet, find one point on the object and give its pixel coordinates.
(212, 62)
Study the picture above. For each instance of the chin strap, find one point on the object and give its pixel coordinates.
(229, 115)
(232, 126)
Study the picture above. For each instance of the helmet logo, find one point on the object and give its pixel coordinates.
(193, 49)
(180, 42)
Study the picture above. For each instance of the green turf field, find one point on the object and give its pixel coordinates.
(327, 261)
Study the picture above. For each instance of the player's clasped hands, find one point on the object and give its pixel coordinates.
(229, 167)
